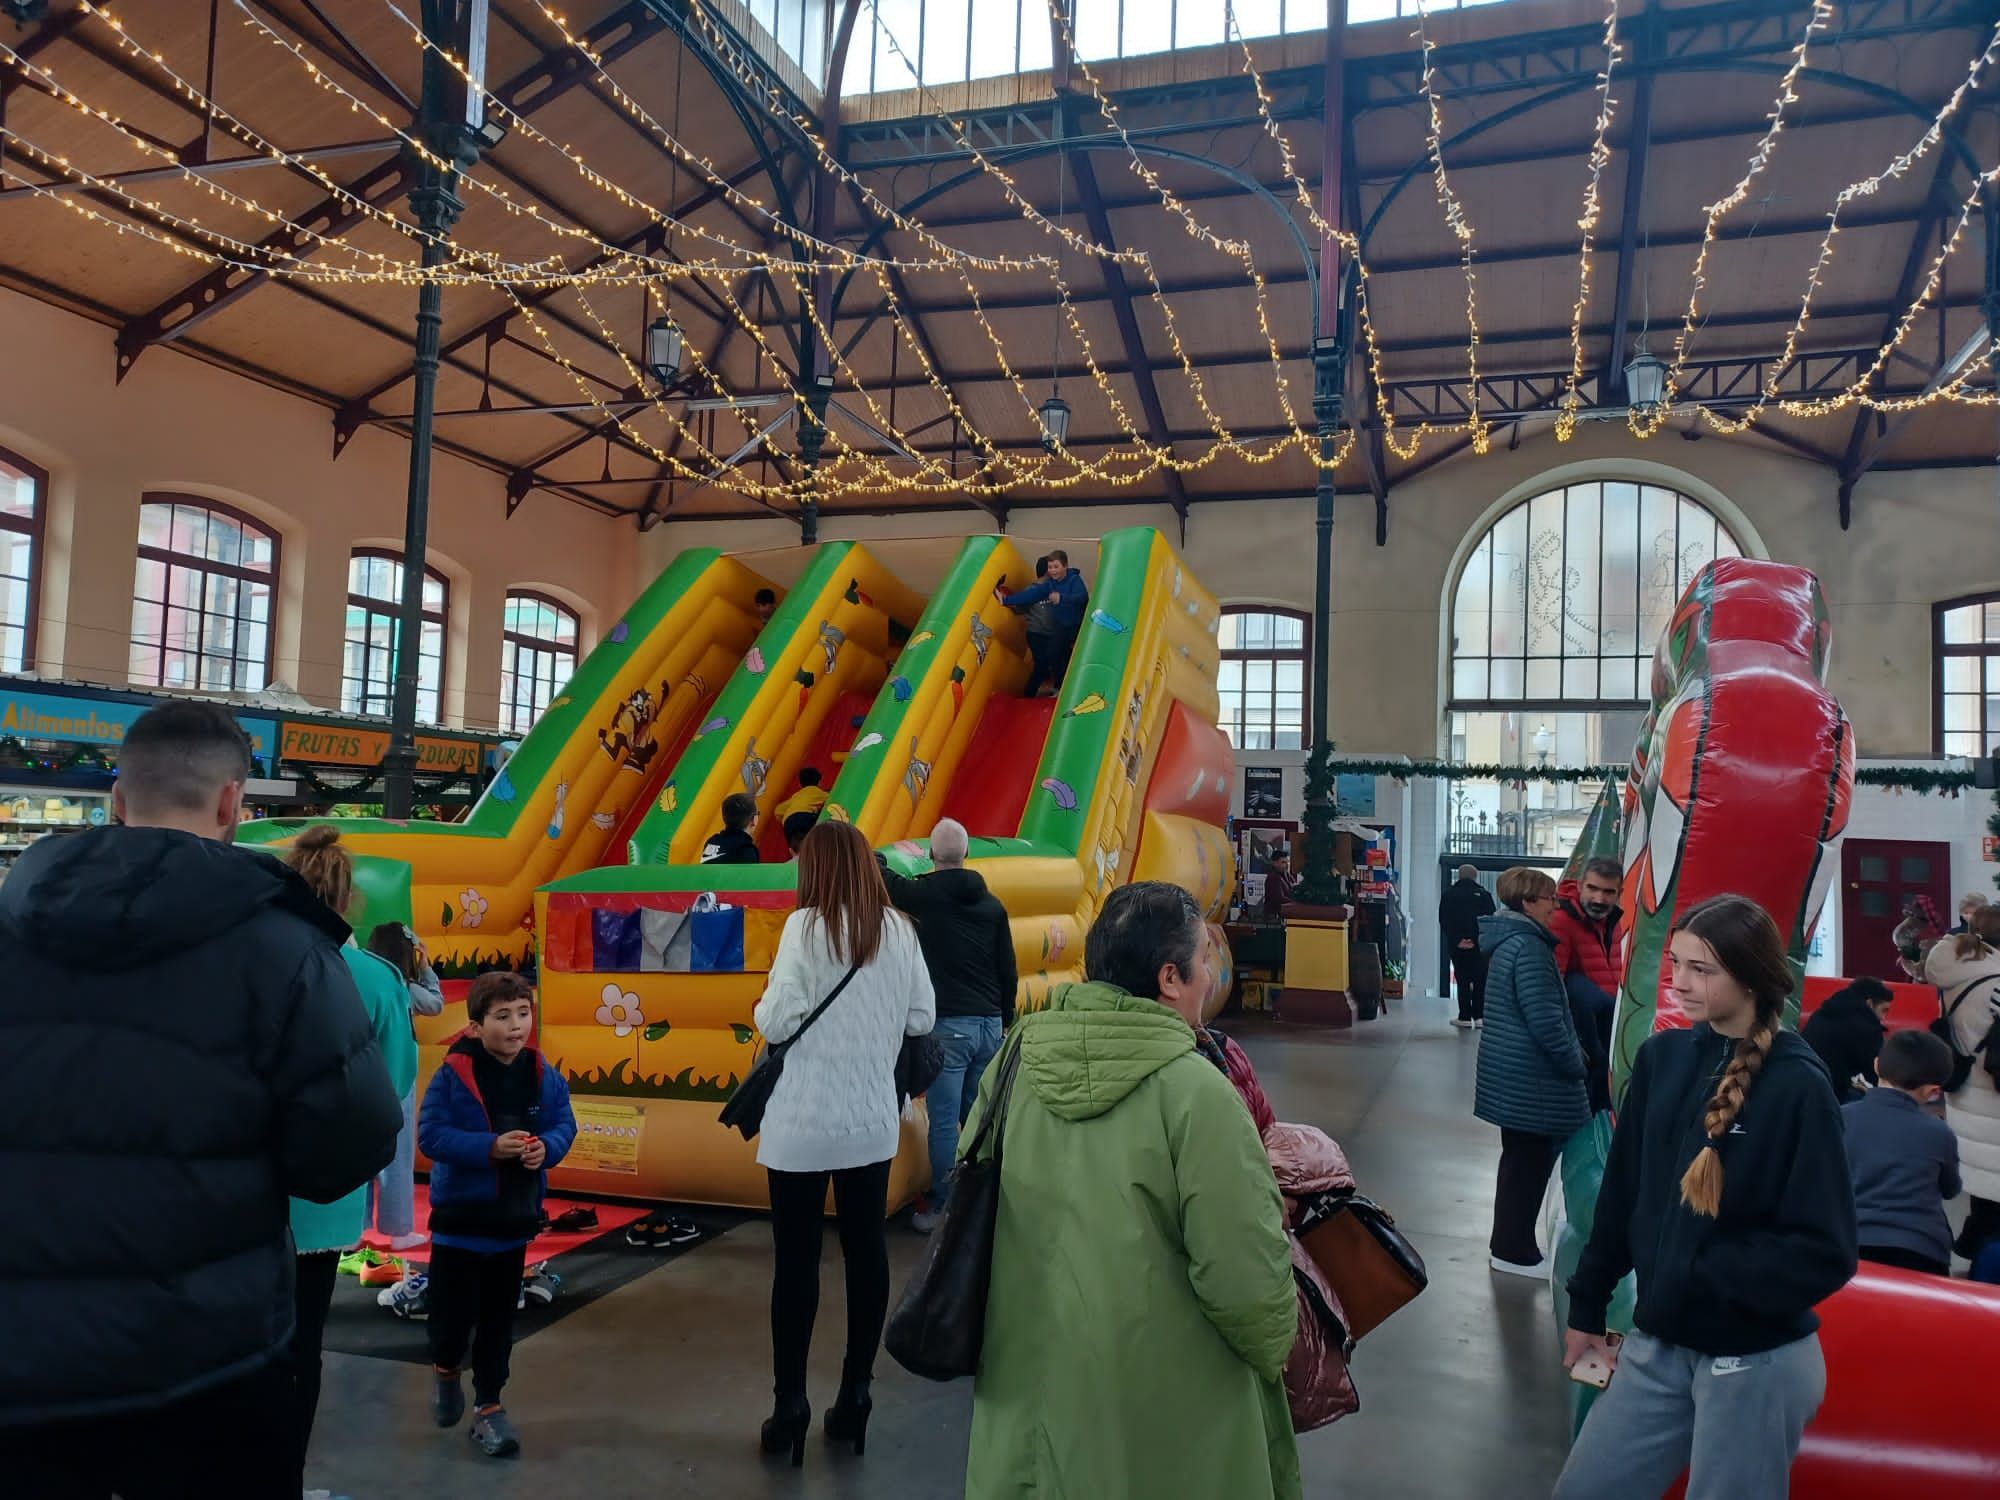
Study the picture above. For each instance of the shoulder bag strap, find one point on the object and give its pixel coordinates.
(1963, 990)
(995, 1123)
(820, 1009)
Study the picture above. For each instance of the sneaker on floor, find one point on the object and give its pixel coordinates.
(494, 1434)
(387, 1273)
(356, 1261)
(447, 1399)
(926, 1221)
(662, 1231)
(408, 1298)
(1537, 1270)
(1461, 1023)
(401, 1242)
(540, 1286)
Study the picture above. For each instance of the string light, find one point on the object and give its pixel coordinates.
(846, 468)
(1600, 157)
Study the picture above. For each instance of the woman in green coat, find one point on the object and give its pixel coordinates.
(1141, 1307)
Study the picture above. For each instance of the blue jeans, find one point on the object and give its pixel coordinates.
(970, 1043)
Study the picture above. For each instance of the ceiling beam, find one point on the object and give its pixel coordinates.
(1633, 211)
(551, 76)
(358, 410)
(1068, 106)
(1862, 450)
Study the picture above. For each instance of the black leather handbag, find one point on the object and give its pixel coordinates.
(745, 1109)
(939, 1326)
(918, 1066)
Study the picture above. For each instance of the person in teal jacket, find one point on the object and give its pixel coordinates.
(322, 1231)
(1142, 1307)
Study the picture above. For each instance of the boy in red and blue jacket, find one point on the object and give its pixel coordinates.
(495, 1119)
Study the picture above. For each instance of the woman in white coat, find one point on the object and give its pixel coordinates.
(1966, 971)
(834, 1114)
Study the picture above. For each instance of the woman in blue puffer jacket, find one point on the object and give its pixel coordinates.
(1532, 1071)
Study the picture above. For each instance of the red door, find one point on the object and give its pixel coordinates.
(1879, 878)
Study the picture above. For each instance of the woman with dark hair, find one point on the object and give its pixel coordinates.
(322, 1231)
(1966, 971)
(834, 1115)
(1847, 1030)
(1532, 1067)
(1727, 1192)
(1142, 1305)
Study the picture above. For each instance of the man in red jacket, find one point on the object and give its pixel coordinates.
(1585, 925)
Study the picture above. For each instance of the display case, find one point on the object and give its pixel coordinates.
(28, 814)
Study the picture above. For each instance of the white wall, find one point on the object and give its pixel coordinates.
(1879, 813)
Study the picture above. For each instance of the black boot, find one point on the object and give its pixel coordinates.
(847, 1418)
(789, 1423)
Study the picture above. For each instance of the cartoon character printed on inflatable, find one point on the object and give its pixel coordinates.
(1741, 781)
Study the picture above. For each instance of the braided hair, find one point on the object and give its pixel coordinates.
(1748, 945)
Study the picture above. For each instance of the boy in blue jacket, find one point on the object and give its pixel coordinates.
(1055, 604)
(495, 1119)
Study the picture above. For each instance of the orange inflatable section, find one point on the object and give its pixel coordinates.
(1913, 1363)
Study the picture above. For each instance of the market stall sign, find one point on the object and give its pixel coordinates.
(334, 745)
(97, 721)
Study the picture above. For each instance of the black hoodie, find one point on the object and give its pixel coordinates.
(968, 946)
(1847, 1035)
(181, 1050)
(1747, 1280)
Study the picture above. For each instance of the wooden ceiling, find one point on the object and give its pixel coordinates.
(531, 387)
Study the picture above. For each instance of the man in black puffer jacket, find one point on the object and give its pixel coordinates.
(181, 1048)
(969, 950)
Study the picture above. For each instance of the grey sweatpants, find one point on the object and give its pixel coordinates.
(1734, 1423)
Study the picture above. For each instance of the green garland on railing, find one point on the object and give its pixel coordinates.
(1920, 779)
(1320, 884)
(16, 756)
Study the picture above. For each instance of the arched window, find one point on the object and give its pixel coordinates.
(537, 655)
(1966, 673)
(1263, 677)
(24, 496)
(368, 665)
(201, 603)
(1553, 625)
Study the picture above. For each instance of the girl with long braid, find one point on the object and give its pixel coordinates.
(1727, 1192)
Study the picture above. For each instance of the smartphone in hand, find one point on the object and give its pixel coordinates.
(1593, 1369)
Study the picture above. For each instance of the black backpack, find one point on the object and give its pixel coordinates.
(1961, 1063)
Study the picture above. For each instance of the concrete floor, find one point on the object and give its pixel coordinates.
(656, 1389)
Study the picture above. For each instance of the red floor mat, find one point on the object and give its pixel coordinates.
(610, 1216)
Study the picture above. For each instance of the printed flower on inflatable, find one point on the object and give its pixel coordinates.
(620, 1010)
(471, 908)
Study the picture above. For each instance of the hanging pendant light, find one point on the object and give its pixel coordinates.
(665, 345)
(1645, 382)
(1054, 416)
(1054, 413)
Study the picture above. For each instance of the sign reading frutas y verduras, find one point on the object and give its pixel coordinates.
(339, 745)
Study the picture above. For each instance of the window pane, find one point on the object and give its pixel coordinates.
(1229, 676)
(1256, 18)
(190, 531)
(151, 582)
(1874, 867)
(1874, 903)
(1582, 557)
(1545, 575)
(1510, 679)
(1916, 870)
(1291, 676)
(1510, 583)
(945, 23)
(156, 524)
(1544, 678)
(1579, 679)
(1468, 679)
(1659, 587)
(1228, 637)
(1961, 674)
(1097, 28)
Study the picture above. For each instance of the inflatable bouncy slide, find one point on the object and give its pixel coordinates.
(1742, 781)
(586, 845)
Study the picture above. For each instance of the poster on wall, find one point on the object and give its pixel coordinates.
(1355, 795)
(1263, 791)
